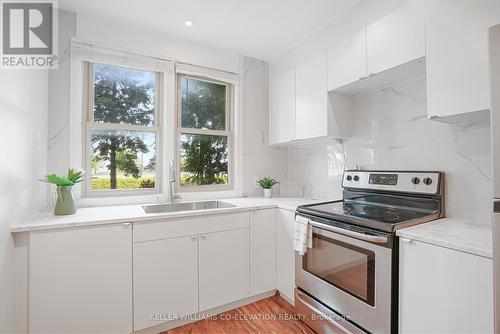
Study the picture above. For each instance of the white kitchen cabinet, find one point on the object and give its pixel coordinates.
(346, 60)
(457, 57)
(165, 280)
(224, 263)
(396, 39)
(282, 111)
(81, 280)
(443, 290)
(316, 113)
(262, 251)
(285, 254)
(311, 113)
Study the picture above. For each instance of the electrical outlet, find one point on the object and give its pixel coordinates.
(255, 180)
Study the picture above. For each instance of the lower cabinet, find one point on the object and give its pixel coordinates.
(119, 279)
(197, 264)
(165, 280)
(223, 267)
(443, 290)
(80, 280)
(262, 251)
(285, 254)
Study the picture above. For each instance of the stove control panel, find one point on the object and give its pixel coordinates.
(412, 182)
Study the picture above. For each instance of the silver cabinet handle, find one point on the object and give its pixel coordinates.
(370, 238)
(203, 236)
(126, 224)
(193, 237)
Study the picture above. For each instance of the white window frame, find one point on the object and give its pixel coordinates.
(89, 124)
(228, 132)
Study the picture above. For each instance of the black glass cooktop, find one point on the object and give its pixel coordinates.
(375, 216)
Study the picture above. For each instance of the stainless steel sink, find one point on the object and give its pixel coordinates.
(191, 206)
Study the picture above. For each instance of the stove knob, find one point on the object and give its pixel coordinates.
(349, 178)
(356, 178)
(415, 180)
(428, 181)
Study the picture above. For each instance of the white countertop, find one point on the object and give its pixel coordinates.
(455, 234)
(451, 233)
(133, 213)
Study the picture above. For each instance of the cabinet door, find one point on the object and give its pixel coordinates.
(223, 267)
(262, 251)
(346, 60)
(81, 280)
(165, 279)
(443, 290)
(396, 38)
(457, 55)
(285, 254)
(311, 115)
(282, 112)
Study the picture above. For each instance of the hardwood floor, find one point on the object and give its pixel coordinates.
(271, 315)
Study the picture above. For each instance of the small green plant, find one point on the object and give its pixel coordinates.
(147, 183)
(267, 182)
(74, 176)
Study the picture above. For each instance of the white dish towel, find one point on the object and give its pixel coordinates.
(303, 235)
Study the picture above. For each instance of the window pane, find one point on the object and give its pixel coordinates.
(203, 104)
(203, 160)
(122, 159)
(123, 95)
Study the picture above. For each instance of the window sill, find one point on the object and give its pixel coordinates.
(156, 198)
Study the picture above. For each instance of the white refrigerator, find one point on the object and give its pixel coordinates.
(494, 40)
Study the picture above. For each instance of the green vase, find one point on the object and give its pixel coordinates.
(65, 204)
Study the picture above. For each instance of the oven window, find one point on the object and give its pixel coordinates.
(349, 268)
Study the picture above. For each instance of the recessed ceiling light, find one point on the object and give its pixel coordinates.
(189, 23)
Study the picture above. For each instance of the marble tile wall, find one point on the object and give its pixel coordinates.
(259, 159)
(391, 131)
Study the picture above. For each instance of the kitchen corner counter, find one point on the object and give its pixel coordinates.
(134, 213)
(454, 234)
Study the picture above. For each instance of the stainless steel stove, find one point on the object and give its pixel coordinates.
(348, 281)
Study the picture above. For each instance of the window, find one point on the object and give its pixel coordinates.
(204, 133)
(122, 130)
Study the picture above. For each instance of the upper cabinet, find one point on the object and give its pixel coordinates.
(396, 39)
(445, 40)
(302, 109)
(387, 51)
(282, 115)
(347, 60)
(311, 118)
(457, 57)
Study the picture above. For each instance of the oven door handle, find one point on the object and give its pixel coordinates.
(365, 237)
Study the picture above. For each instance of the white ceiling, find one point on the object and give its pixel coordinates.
(257, 28)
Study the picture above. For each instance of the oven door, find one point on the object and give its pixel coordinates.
(350, 272)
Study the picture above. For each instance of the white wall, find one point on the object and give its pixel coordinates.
(124, 35)
(391, 131)
(259, 159)
(23, 111)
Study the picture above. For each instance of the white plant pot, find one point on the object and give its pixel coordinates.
(268, 193)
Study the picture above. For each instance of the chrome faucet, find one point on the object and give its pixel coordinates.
(172, 179)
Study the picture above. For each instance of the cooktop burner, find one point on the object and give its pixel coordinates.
(384, 201)
(377, 217)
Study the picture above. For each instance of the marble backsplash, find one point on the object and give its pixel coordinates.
(391, 131)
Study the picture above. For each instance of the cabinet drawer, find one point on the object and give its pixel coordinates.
(190, 226)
